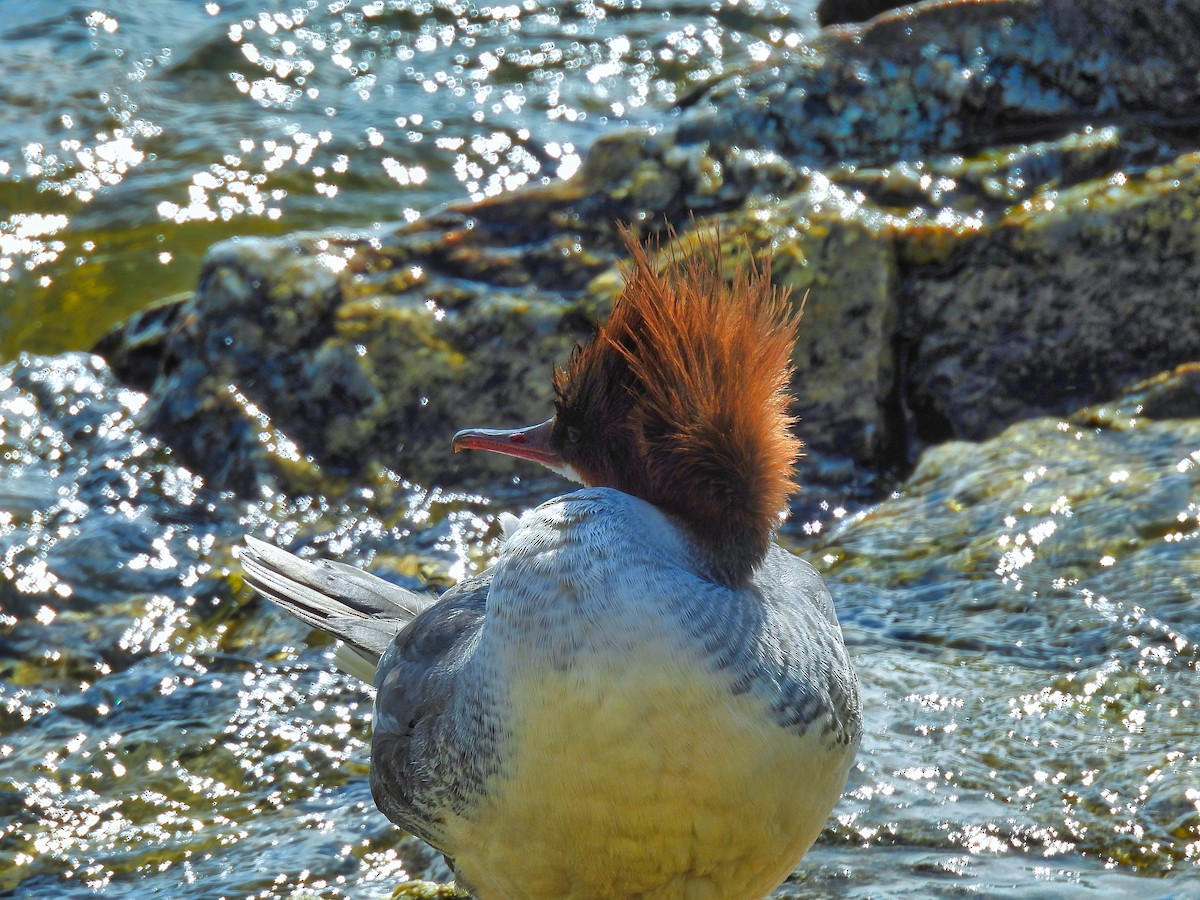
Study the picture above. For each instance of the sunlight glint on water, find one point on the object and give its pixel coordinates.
(184, 123)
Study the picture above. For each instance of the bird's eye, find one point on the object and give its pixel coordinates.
(574, 434)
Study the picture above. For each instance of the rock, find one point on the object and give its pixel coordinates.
(953, 77)
(1071, 296)
(1032, 600)
(990, 206)
(1168, 395)
(845, 12)
(359, 357)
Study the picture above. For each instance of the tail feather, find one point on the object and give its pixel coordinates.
(355, 664)
(363, 611)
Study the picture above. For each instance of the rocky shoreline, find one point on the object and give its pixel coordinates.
(991, 209)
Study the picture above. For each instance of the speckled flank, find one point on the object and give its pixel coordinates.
(436, 723)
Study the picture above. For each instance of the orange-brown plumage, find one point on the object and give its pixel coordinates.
(681, 399)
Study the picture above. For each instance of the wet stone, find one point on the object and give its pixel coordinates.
(1009, 184)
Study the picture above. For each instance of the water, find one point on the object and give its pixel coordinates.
(134, 136)
(1022, 614)
(1022, 617)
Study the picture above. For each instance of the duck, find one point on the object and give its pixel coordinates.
(645, 695)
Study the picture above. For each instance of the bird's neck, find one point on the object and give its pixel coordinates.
(730, 543)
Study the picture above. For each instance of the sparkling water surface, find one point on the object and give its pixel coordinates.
(135, 135)
(1023, 616)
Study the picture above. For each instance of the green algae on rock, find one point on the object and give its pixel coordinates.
(1032, 600)
(976, 256)
(1168, 395)
(426, 890)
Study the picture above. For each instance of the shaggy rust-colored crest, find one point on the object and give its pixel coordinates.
(681, 399)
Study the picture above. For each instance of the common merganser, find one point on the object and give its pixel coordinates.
(645, 696)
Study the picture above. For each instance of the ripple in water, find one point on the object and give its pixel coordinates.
(178, 125)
